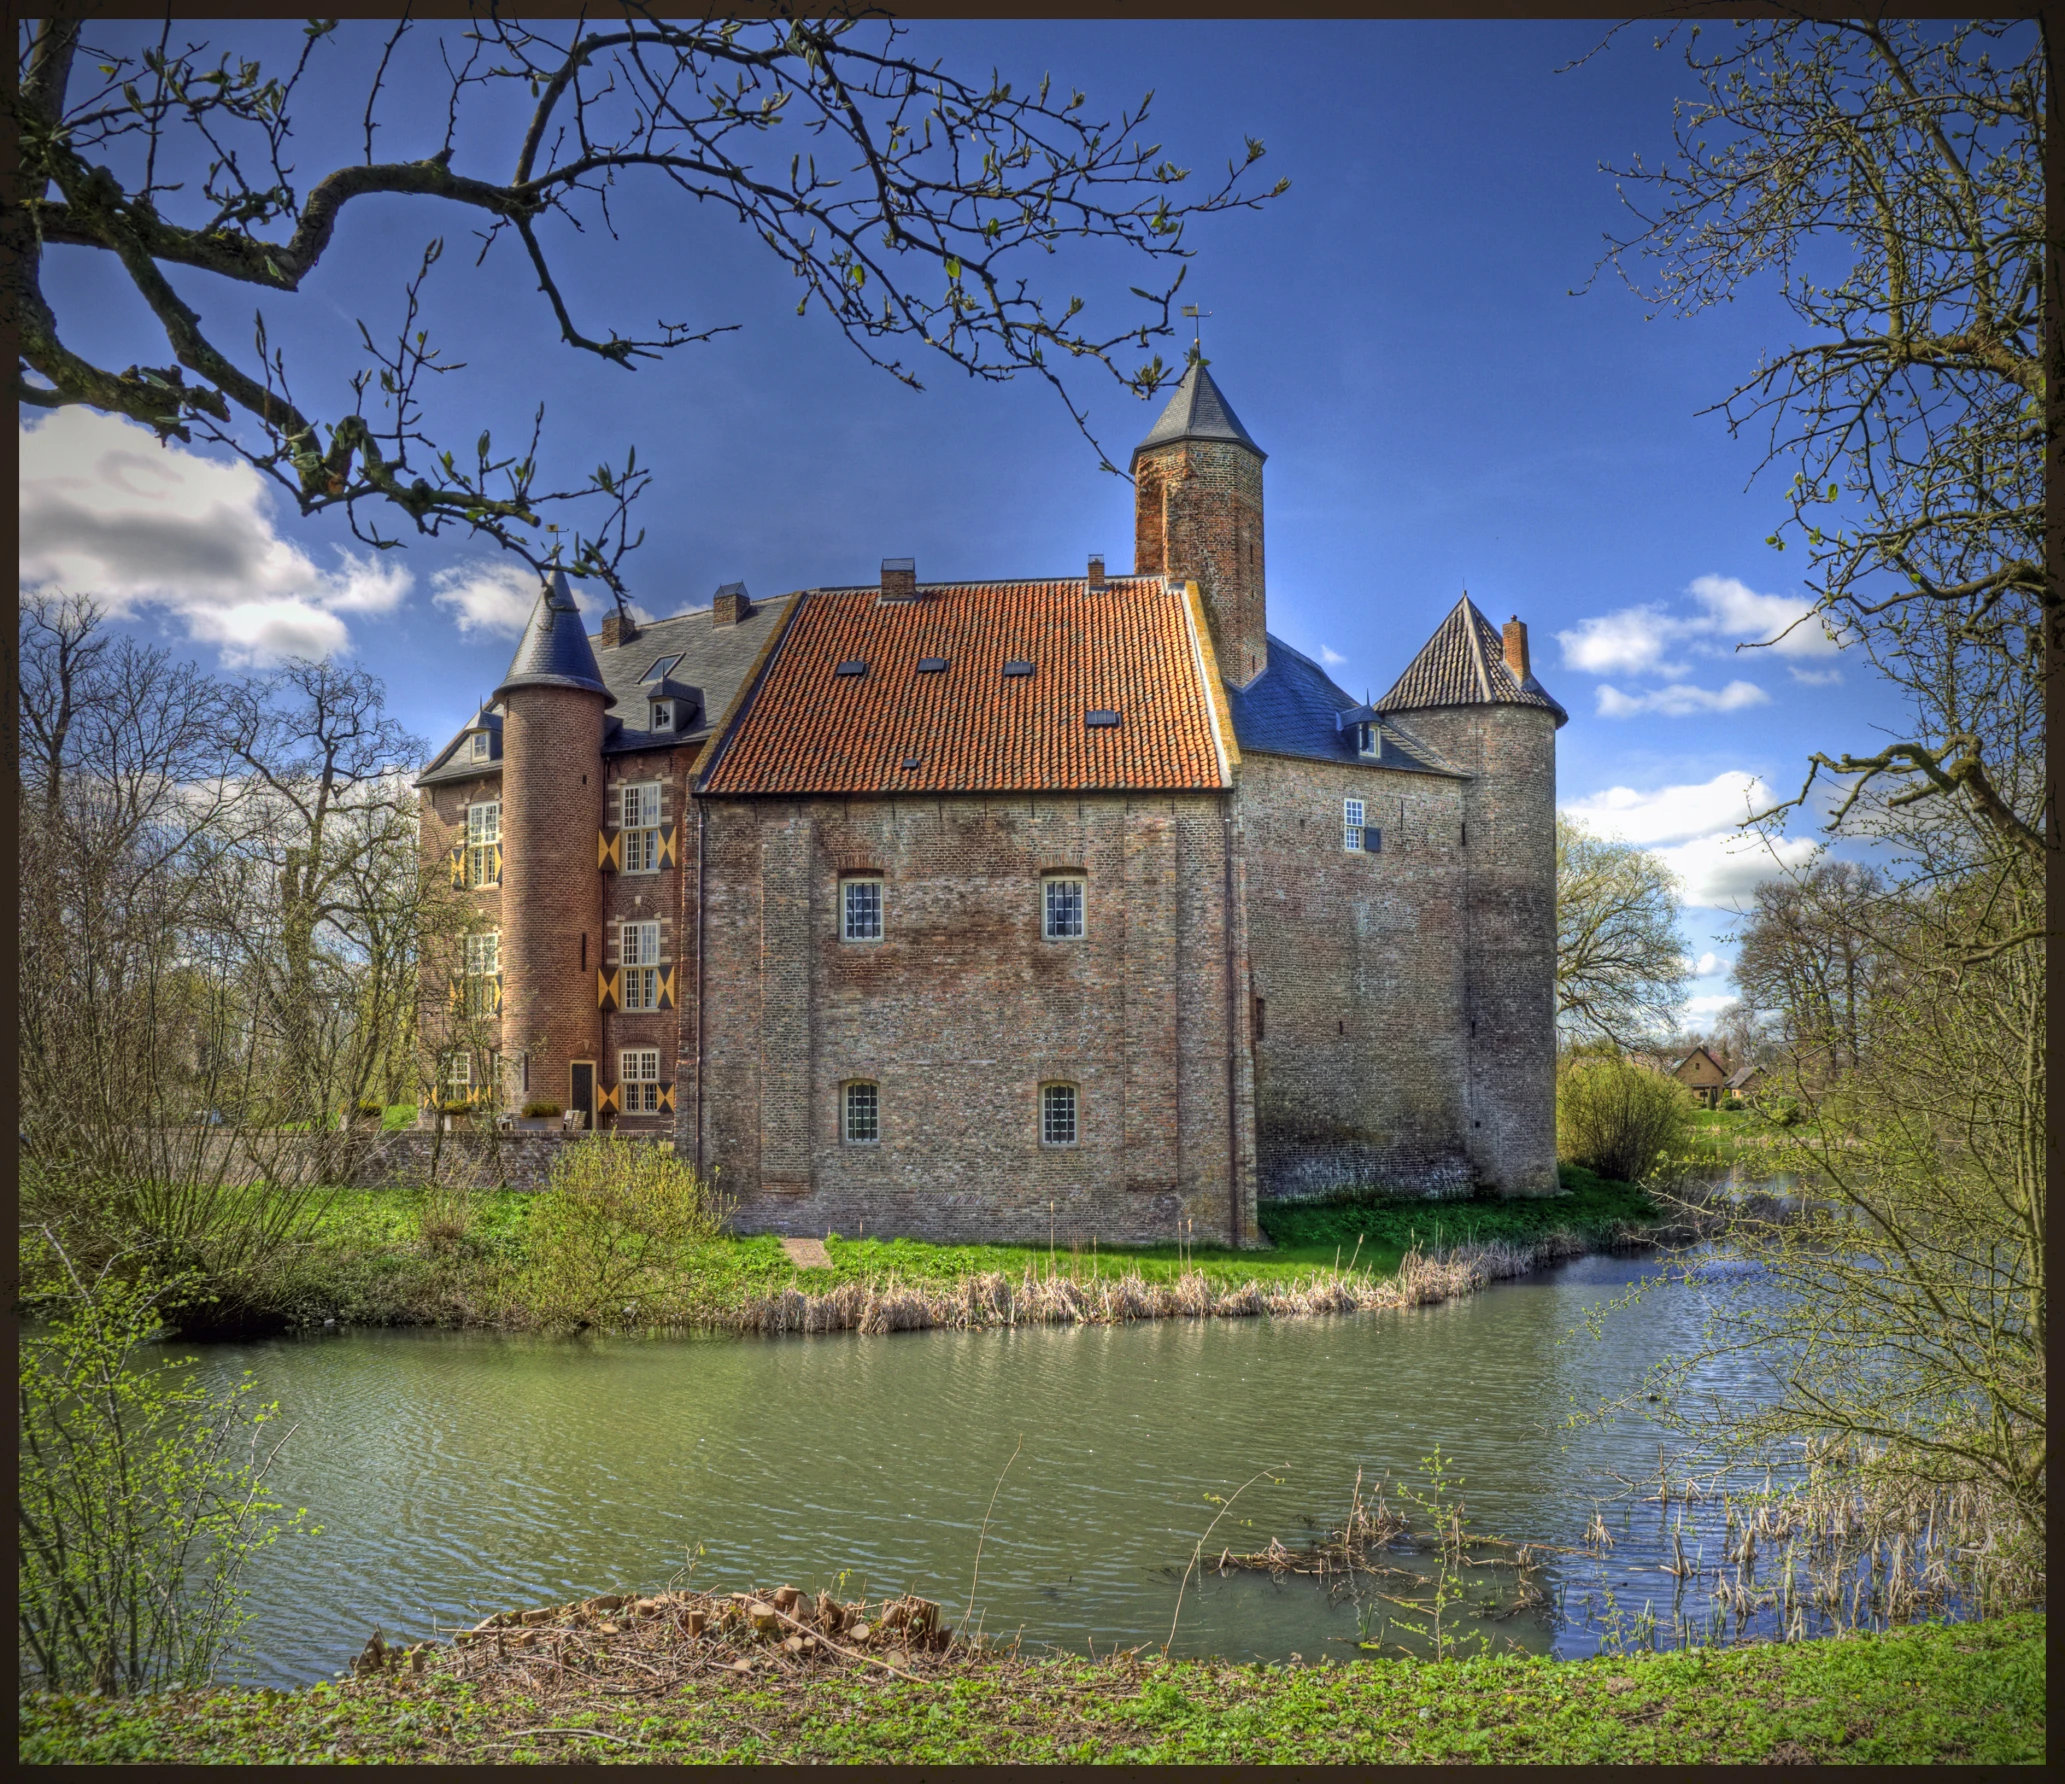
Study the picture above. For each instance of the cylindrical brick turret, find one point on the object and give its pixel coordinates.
(552, 802)
(1197, 513)
(552, 807)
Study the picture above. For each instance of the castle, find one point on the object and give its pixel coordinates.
(977, 910)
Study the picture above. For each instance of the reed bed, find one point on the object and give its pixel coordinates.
(1057, 1298)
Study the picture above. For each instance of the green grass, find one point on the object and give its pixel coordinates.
(371, 1261)
(1964, 1694)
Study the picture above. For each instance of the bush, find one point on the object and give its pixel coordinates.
(534, 1110)
(1614, 1118)
(140, 1497)
(618, 1216)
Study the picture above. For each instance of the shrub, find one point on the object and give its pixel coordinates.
(140, 1497)
(1614, 1118)
(536, 1110)
(617, 1218)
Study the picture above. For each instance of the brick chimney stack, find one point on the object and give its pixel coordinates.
(618, 627)
(1096, 579)
(1516, 648)
(899, 579)
(731, 605)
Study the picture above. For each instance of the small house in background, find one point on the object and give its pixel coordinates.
(1702, 1074)
(1745, 1082)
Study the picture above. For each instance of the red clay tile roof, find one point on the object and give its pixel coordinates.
(973, 729)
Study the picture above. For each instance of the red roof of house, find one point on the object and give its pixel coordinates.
(1129, 648)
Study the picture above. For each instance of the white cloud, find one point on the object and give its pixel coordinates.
(1722, 871)
(1677, 700)
(1781, 621)
(1814, 678)
(107, 511)
(1632, 641)
(1698, 1010)
(1672, 814)
(1331, 658)
(1710, 965)
(494, 596)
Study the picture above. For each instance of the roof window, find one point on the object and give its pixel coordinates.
(1101, 720)
(663, 666)
(852, 666)
(1017, 666)
(482, 746)
(931, 665)
(910, 762)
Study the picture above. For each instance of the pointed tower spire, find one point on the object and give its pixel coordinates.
(1197, 514)
(1467, 663)
(555, 652)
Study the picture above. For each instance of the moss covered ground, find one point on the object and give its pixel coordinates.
(1936, 1694)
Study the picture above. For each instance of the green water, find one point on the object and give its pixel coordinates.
(454, 1474)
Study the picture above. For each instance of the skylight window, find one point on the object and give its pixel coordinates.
(1017, 666)
(931, 665)
(852, 666)
(1101, 720)
(663, 666)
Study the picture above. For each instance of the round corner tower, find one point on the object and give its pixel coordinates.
(1472, 695)
(553, 702)
(1197, 513)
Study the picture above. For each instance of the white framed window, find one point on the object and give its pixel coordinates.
(1057, 1114)
(860, 909)
(481, 746)
(1351, 825)
(484, 843)
(638, 1076)
(1061, 908)
(641, 815)
(641, 964)
(1369, 741)
(662, 716)
(862, 1115)
(484, 953)
(458, 1077)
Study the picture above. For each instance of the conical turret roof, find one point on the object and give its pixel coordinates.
(1198, 411)
(555, 652)
(1464, 664)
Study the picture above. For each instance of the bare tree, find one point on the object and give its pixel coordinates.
(1815, 952)
(916, 206)
(1912, 416)
(1620, 958)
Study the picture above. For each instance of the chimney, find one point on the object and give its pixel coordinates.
(1516, 648)
(731, 605)
(618, 627)
(1096, 580)
(899, 579)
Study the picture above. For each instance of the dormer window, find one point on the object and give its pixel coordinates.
(1369, 741)
(483, 744)
(662, 715)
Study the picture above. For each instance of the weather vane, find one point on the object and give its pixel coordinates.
(1197, 340)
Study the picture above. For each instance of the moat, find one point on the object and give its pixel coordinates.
(458, 1473)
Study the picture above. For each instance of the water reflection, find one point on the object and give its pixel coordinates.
(454, 1474)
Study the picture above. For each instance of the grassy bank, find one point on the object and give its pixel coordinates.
(413, 1257)
(1971, 1693)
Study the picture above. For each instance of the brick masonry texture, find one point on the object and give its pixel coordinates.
(963, 1011)
(1197, 513)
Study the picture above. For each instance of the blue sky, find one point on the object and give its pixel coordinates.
(1398, 332)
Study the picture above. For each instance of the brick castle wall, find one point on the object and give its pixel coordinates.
(1509, 934)
(651, 897)
(1361, 1071)
(963, 1011)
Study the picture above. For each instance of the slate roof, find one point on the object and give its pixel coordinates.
(715, 662)
(554, 652)
(1464, 664)
(1128, 648)
(1293, 708)
(1198, 411)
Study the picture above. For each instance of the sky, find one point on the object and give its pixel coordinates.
(1449, 401)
